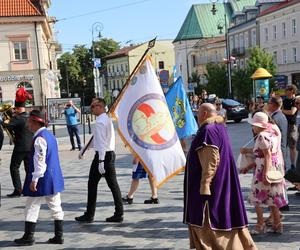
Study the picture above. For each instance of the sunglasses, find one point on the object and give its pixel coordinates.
(95, 105)
(218, 104)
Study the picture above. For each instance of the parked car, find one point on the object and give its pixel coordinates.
(235, 110)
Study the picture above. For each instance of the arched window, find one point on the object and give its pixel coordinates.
(29, 89)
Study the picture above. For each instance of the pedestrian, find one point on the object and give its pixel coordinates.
(274, 110)
(260, 104)
(214, 222)
(44, 181)
(103, 164)
(267, 152)
(195, 106)
(22, 141)
(220, 110)
(71, 112)
(138, 172)
(290, 111)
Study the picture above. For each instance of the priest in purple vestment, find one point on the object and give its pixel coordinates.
(213, 202)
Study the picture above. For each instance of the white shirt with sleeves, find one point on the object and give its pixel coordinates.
(39, 158)
(104, 135)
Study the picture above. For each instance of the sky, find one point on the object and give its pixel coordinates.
(125, 21)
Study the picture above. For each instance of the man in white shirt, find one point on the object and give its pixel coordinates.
(103, 164)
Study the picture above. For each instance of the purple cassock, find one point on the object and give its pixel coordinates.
(225, 204)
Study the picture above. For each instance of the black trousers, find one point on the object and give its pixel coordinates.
(15, 163)
(111, 180)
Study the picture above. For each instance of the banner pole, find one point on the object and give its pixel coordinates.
(151, 44)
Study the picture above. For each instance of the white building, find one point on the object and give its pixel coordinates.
(280, 35)
(28, 50)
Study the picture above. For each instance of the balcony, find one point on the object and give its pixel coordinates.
(238, 52)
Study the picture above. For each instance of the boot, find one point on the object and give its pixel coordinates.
(27, 239)
(58, 238)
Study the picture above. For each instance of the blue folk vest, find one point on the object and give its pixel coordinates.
(52, 182)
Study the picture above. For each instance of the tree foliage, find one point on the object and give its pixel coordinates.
(217, 81)
(76, 68)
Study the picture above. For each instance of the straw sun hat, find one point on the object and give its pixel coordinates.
(260, 119)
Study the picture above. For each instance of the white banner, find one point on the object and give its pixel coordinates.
(145, 125)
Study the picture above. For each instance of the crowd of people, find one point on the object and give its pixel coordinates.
(210, 171)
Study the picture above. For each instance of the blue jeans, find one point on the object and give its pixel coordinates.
(73, 130)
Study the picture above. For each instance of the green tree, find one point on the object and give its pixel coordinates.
(79, 66)
(259, 58)
(241, 78)
(217, 81)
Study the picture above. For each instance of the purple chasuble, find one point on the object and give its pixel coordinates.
(225, 204)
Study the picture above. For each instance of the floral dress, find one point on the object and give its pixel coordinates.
(273, 194)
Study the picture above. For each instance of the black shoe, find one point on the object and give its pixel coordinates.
(14, 194)
(285, 208)
(127, 200)
(28, 237)
(152, 201)
(115, 218)
(293, 167)
(56, 240)
(84, 218)
(72, 149)
(291, 176)
(297, 194)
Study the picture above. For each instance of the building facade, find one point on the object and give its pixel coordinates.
(28, 50)
(280, 36)
(121, 63)
(201, 24)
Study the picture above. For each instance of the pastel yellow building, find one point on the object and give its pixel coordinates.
(121, 63)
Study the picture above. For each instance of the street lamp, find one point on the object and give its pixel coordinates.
(96, 27)
(220, 27)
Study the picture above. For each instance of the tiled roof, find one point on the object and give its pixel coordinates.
(13, 8)
(201, 23)
(278, 7)
(121, 52)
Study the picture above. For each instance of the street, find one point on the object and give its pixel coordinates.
(157, 226)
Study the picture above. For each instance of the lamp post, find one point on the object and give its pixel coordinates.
(220, 27)
(96, 27)
(83, 109)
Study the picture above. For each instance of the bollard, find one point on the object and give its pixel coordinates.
(89, 125)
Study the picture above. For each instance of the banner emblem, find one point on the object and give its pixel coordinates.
(149, 123)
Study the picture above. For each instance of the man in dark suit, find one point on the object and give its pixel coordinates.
(22, 141)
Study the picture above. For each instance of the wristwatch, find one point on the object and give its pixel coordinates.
(100, 161)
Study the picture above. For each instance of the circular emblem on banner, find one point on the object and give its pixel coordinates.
(149, 123)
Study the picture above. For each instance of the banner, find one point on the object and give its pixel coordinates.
(145, 125)
(180, 110)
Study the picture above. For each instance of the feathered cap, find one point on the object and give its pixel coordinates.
(21, 97)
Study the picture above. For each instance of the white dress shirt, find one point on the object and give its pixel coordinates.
(104, 135)
(39, 158)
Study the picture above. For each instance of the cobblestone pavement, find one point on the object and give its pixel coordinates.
(145, 226)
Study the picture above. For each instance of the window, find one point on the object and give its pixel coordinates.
(246, 40)
(236, 41)
(29, 89)
(294, 27)
(20, 50)
(241, 38)
(161, 65)
(117, 68)
(113, 84)
(231, 42)
(275, 56)
(121, 67)
(253, 38)
(266, 34)
(194, 60)
(283, 30)
(126, 67)
(284, 56)
(294, 54)
(274, 32)
(113, 68)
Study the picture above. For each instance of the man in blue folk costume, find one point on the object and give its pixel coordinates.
(213, 202)
(44, 181)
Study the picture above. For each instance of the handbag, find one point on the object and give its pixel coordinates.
(274, 175)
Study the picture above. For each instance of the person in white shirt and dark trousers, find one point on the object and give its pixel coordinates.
(43, 181)
(103, 164)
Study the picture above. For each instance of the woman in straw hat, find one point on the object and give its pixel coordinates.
(267, 153)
